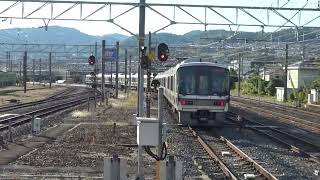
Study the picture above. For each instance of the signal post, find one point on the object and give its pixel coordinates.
(93, 78)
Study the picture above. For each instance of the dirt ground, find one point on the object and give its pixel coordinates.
(34, 93)
(81, 150)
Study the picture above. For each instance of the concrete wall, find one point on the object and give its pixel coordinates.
(301, 77)
(294, 75)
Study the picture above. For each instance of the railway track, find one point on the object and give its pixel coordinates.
(310, 122)
(280, 107)
(234, 163)
(60, 96)
(25, 118)
(292, 142)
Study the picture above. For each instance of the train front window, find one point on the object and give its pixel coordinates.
(203, 80)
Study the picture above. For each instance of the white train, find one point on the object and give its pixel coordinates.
(198, 91)
(121, 76)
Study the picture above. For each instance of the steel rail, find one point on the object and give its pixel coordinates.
(262, 170)
(21, 119)
(240, 153)
(3, 121)
(279, 105)
(296, 149)
(213, 155)
(28, 104)
(307, 125)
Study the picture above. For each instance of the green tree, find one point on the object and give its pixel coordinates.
(233, 78)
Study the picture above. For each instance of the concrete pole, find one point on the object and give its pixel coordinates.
(33, 71)
(20, 73)
(285, 93)
(111, 72)
(10, 62)
(50, 65)
(103, 70)
(7, 61)
(130, 57)
(25, 72)
(239, 77)
(160, 117)
(125, 70)
(140, 77)
(95, 72)
(117, 70)
(148, 98)
(40, 75)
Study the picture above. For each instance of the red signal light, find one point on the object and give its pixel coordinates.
(221, 103)
(92, 60)
(183, 102)
(163, 56)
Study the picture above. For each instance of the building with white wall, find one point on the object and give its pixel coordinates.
(302, 73)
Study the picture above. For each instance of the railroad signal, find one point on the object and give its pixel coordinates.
(93, 79)
(144, 58)
(92, 60)
(163, 52)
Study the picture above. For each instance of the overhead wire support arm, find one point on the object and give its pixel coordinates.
(190, 15)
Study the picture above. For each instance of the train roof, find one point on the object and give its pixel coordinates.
(190, 62)
(121, 75)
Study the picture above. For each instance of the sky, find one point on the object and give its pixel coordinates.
(154, 21)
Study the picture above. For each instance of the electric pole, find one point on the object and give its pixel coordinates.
(239, 77)
(125, 71)
(117, 70)
(33, 71)
(285, 93)
(50, 75)
(25, 72)
(141, 78)
(103, 69)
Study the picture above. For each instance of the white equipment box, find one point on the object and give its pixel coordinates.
(147, 131)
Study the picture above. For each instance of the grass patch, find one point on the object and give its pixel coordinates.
(80, 114)
(130, 101)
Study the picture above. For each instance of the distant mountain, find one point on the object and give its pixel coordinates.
(64, 35)
(54, 35)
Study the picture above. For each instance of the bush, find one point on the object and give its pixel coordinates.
(251, 86)
(271, 86)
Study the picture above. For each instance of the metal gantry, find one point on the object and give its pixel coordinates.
(232, 16)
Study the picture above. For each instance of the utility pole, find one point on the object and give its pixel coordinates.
(10, 61)
(20, 73)
(33, 71)
(96, 73)
(130, 72)
(239, 71)
(148, 79)
(103, 70)
(25, 72)
(285, 93)
(50, 75)
(117, 70)
(40, 75)
(125, 70)
(111, 72)
(142, 9)
(7, 61)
